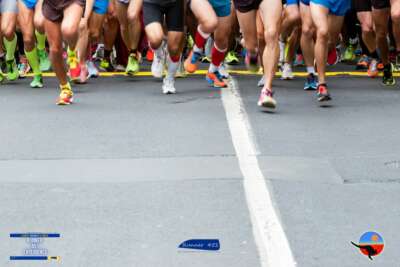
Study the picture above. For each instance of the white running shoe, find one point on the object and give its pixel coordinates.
(168, 86)
(287, 73)
(261, 82)
(93, 72)
(157, 67)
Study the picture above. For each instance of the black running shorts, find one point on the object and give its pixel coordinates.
(173, 12)
(246, 5)
(367, 5)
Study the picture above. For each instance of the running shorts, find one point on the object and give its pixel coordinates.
(100, 6)
(53, 10)
(336, 7)
(30, 3)
(290, 2)
(173, 12)
(366, 5)
(221, 7)
(8, 6)
(246, 5)
(124, 1)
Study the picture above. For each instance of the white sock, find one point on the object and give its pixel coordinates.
(310, 70)
(172, 68)
(213, 68)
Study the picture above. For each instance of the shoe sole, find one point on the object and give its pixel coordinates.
(324, 98)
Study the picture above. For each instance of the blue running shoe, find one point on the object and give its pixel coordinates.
(311, 83)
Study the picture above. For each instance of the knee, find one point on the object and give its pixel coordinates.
(55, 50)
(271, 34)
(322, 33)
(367, 28)
(210, 25)
(173, 48)
(7, 30)
(307, 31)
(154, 41)
(94, 34)
(395, 15)
(39, 23)
(133, 17)
(68, 31)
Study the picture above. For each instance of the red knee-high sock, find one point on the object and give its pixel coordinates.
(200, 38)
(217, 55)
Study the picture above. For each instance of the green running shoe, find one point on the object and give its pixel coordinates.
(133, 65)
(44, 61)
(12, 70)
(349, 54)
(37, 81)
(231, 58)
(190, 42)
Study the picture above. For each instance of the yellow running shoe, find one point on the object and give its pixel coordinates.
(66, 95)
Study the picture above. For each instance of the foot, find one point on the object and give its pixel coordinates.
(231, 58)
(74, 67)
(215, 79)
(363, 62)
(261, 82)
(12, 70)
(168, 86)
(287, 73)
(266, 99)
(133, 64)
(84, 74)
(311, 83)
(322, 93)
(388, 78)
(251, 62)
(191, 63)
(106, 65)
(224, 73)
(92, 69)
(66, 95)
(37, 81)
(44, 61)
(373, 68)
(23, 67)
(157, 66)
(349, 54)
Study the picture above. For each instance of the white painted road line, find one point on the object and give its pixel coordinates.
(270, 238)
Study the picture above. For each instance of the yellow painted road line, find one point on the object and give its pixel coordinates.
(239, 72)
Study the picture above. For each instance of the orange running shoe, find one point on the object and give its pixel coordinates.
(215, 79)
(191, 62)
(150, 55)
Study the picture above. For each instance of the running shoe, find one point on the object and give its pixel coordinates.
(37, 81)
(1, 76)
(223, 72)
(66, 95)
(231, 58)
(74, 68)
(190, 41)
(266, 99)
(133, 64)
(380, 66)
(322, 93)
(287, 73)
(299, 60)
(92, 69)
(150, 55)
(252, 63)
(261, 82)
(373, 68)
(311, 82)
(12, 70)
(205, 59)
(191, 63)
(363, 62)
(397, 63)
(84, 74)
(44, 61)
(333, 57)
(23, 67)
(168, 86)
(180, 72)
(106, 65)
(158, 64)
(99, 53)
(349, 54)
(388, 78)
(215, 79)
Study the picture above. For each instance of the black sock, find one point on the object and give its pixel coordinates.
(374, 54)
(107, 54)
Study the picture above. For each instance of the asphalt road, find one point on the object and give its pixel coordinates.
(126, 174)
